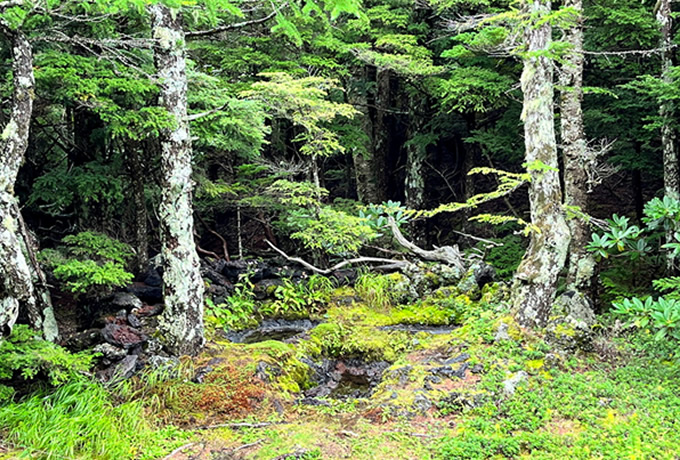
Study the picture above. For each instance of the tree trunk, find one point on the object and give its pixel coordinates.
(381, 134)
(536, 277)
(363, 157)
(181, 323)
(19, 275)
(671, 175)
(581, 270)
(416, 156)
(141, 234)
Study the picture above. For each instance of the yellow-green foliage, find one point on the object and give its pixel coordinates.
(375, 290)
(337, 340)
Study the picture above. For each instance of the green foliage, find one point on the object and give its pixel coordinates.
(25, 355)
(301, 299)
(506, 258)
(80, 420)
(375, 290)
(238, 312)
(89, 263)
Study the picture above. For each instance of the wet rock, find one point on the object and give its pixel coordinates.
(148, 294)
(216, 277)
(571, 321)
(122, 336)
(421, 403)
(310, 401)
(450, 372)
(110, 352)
(342, 379)
(125, 300)
(402, 374)
(83, 340)
(272, 330)
(510, 385)
(256, 271)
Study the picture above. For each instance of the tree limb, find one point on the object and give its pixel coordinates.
(238, 25)
(337, 266)
(450, 255)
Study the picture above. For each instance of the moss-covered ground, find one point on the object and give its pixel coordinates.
(442, 396)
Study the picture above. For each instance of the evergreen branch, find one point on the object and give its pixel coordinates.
(238, 25)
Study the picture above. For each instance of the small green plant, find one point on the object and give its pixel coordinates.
(238, 311)
(300, 300)
(374, 290)
(89, 263)
(662, 315)
(26, 356)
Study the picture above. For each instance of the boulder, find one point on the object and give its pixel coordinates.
(510, 385)
(110, 352)
(125, 300)
(122, 335)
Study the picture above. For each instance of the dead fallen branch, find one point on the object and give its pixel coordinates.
(177, 451)
(450, 255)
(338, 266)
(249, 445)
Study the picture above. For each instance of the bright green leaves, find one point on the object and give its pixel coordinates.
(305, 102)
(474, 88)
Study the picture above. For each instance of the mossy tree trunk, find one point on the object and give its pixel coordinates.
(22, 283)
(581, 263)
(138, 195)
(536, 278)
(416, 157)
(181, 324)
(671, 175)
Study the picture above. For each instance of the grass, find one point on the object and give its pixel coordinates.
(80, 421)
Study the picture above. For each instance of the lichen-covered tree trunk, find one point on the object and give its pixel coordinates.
(536, 278)
(181, 324)
(416, 156)
(21, 281)
(671, 175)
(581, 263)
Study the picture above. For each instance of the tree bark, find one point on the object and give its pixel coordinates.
(22, 283)
(536, 278)
(181, 323)
(416, 157)
(381, 134)
(671, 175)
(141, 233)
(363, 157)
(581, 270)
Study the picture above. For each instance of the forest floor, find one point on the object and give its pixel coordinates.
(466, 392)
(371, 380)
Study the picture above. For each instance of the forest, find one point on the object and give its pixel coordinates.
(326, 229)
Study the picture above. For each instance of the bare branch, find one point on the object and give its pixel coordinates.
(338, 266)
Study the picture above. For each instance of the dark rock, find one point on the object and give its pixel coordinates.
(484, 274)
(458, 401)
(477, 369)
(264, 371)
(216, 277)
(450, 372)
(345, 277)
(134, 321)
(266, 289)
(433, 379)
(314, 402)
(125, 300)
(256, 271)
(149, 310)
(110, 352)
(122, 336)
(152, 277)
(341, 379)
(457, 359)
(149, 294)
(421, 403)
(125, 368)
(83, 340)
